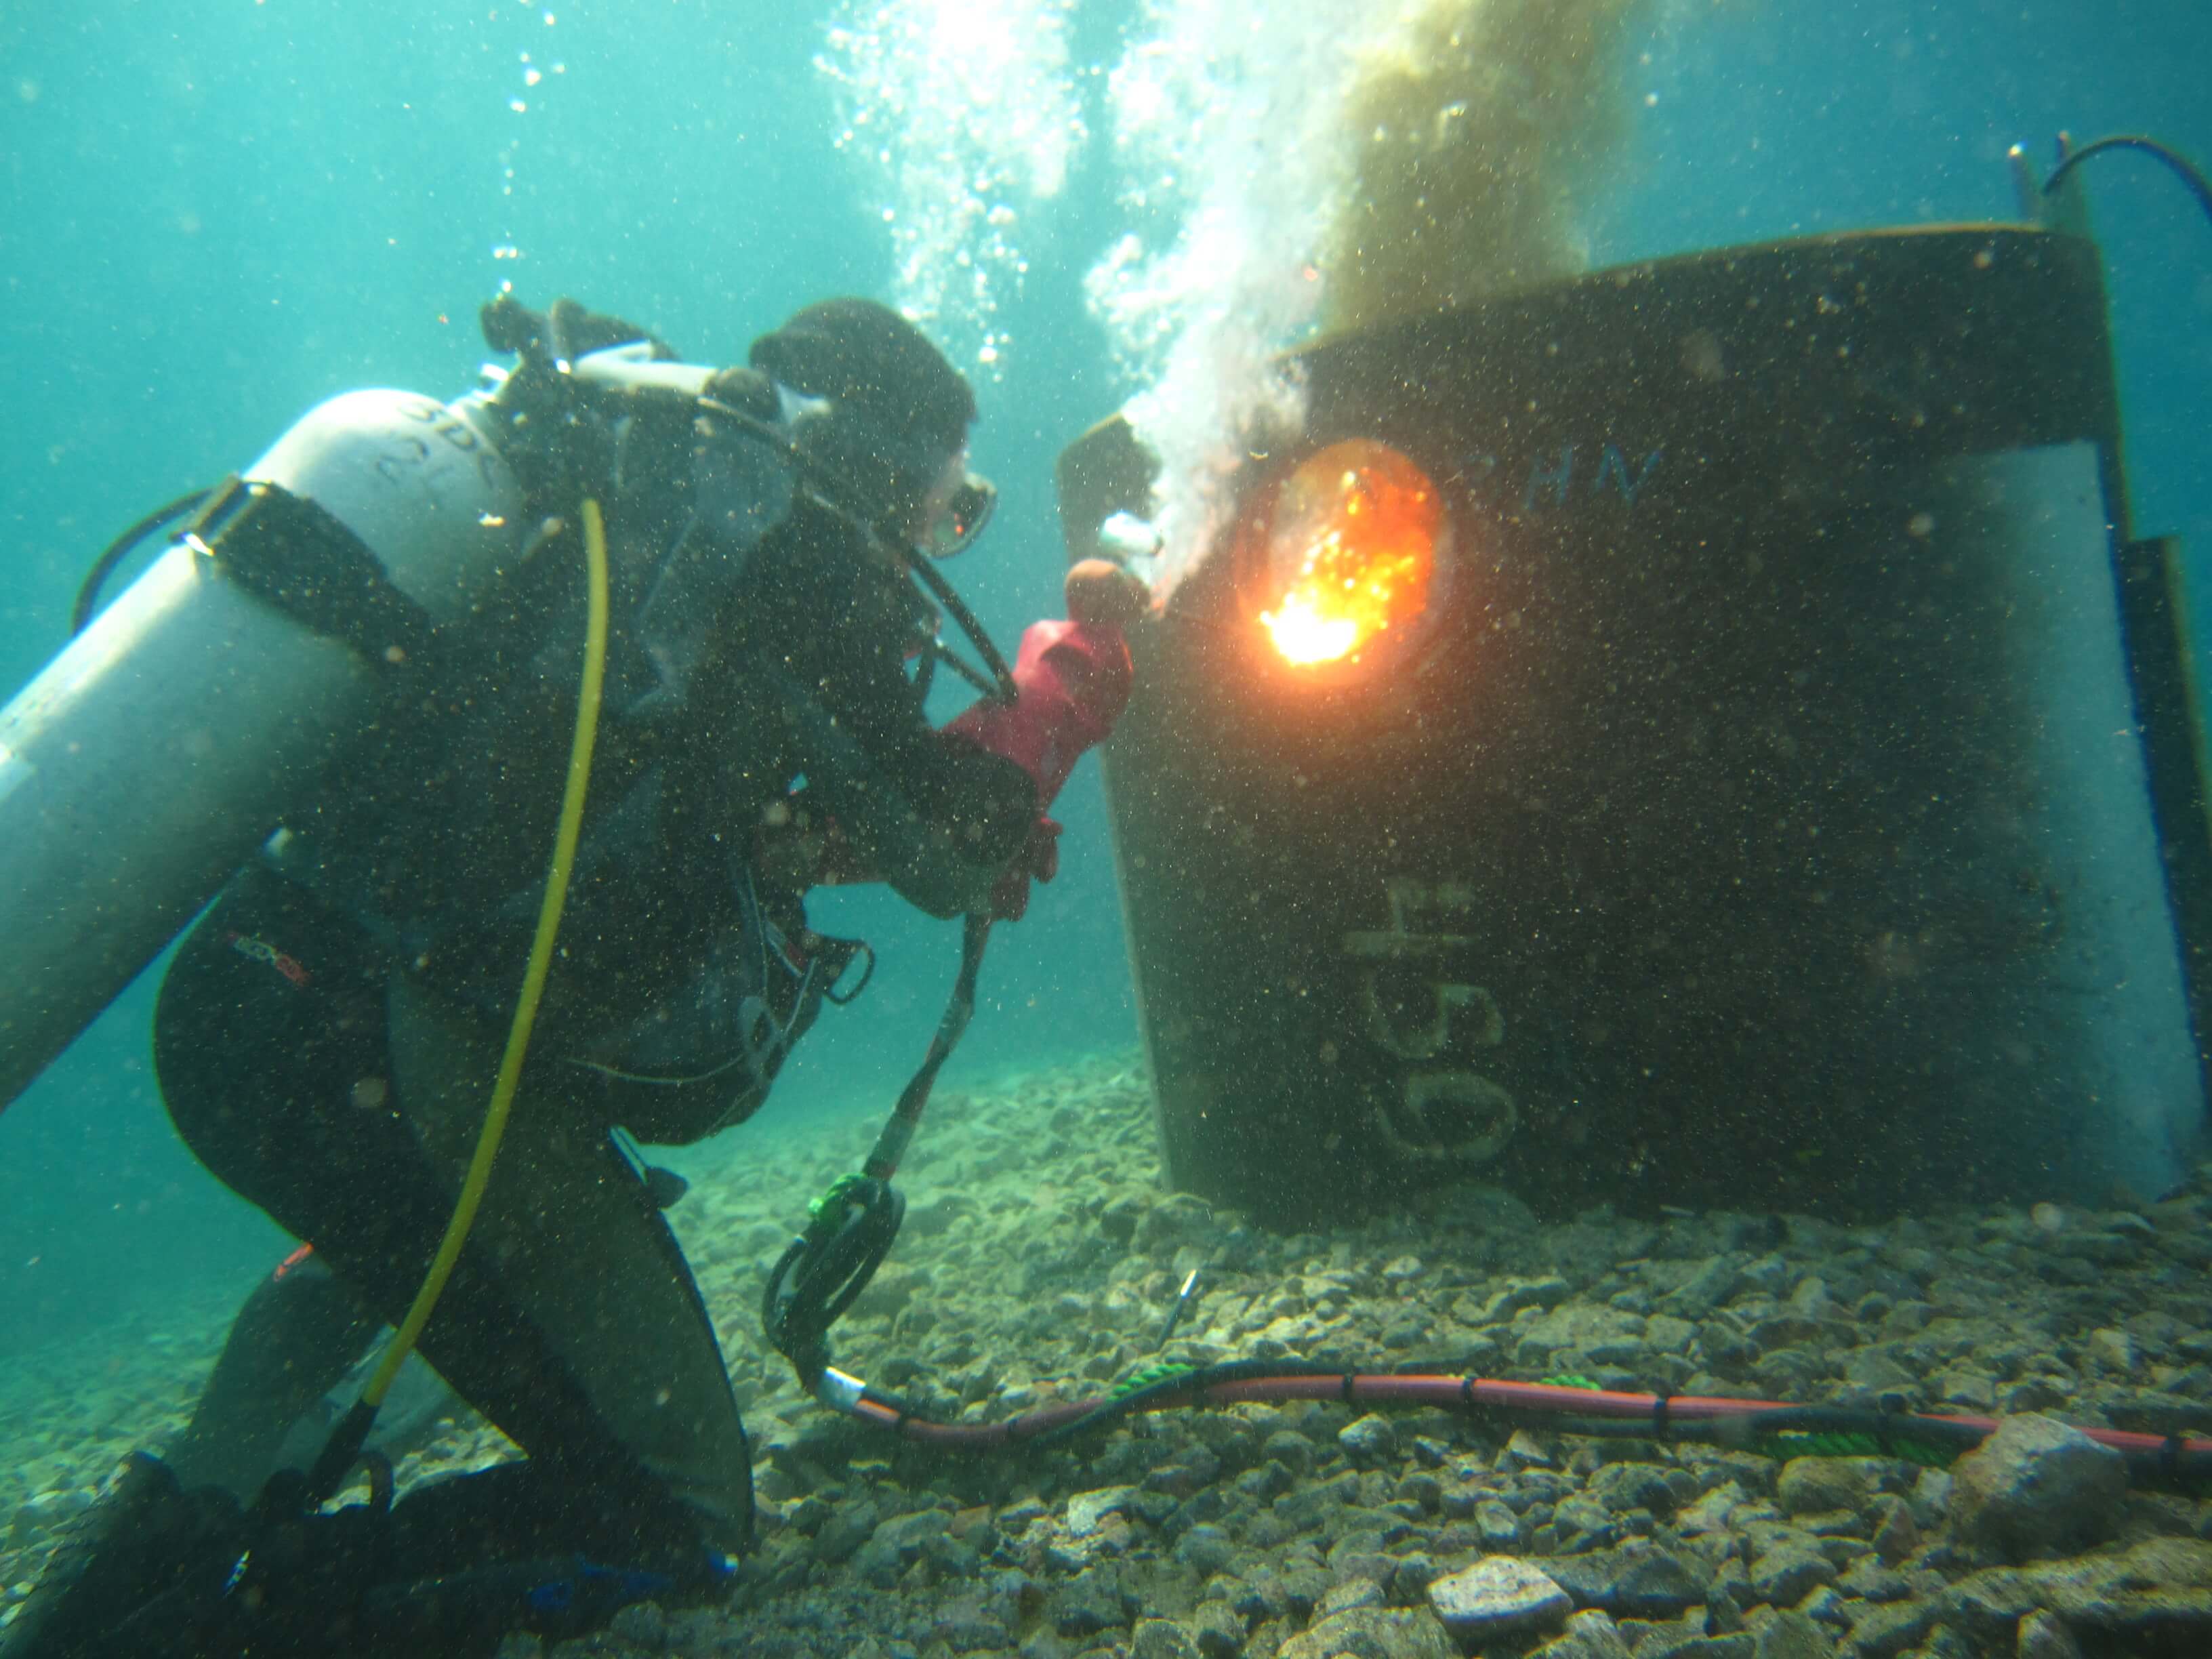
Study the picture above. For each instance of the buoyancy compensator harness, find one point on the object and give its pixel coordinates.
(292, 552)
(750, 464)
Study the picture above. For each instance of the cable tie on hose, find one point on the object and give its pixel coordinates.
(2169, 1459)
(1350, 1379)
(1892, 1405)
(839, 1392)
(1659, 1428)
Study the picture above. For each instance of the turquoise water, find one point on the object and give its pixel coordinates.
(219, 212)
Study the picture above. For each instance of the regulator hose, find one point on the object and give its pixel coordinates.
(88, 592)
(2182, 168)
(850, 1228)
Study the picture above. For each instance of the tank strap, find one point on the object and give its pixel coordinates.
(291, 552)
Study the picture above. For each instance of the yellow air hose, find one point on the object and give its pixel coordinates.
(533, 979)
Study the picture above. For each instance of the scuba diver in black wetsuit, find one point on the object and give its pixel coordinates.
(327, 1036)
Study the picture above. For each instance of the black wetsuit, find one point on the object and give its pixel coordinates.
(325, 1037)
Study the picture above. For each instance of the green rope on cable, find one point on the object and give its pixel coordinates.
(1800, 1442)
(824, 1212)
(1569, 1379)
(1151, 1377)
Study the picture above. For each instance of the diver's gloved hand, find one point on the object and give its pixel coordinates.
(1103, 594)
(157, 1572)
(459, 1563)
(1039, 860)
(1072, 681)
(747, 392)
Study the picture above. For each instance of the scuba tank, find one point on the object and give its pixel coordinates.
(162, 745)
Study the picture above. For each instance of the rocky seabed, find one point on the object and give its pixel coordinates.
(1039, 1261)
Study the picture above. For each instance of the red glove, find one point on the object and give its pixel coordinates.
(1072, 682)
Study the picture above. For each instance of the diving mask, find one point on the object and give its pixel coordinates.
(961, 519)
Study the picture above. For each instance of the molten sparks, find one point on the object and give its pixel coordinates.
(1351, 549)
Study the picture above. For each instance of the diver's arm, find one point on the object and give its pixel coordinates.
(939, 820)
(954, 820)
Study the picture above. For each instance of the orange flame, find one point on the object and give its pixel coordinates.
(1351, 549)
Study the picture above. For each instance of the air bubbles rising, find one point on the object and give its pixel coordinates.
(973, 122)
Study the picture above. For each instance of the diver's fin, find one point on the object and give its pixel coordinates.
(146, 1542)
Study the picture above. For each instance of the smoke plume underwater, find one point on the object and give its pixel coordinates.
(1474, 139)
(1327, 189)
(1225, 130)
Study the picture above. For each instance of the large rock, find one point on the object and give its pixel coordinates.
(1178, 1219)
(1161, 1639)
(1792, 1635)
(1876, 1371)
(1206, 1549)
(1896, 1534)
(2160, 1590)
(1371, 1633)
(1808, 1486)
(1498, 1597)
(1677, 1643)
(1784, 1575)
(1368, 1439)
(1604, 1336)
(1884, 1631)
(1516, 1294)
(1218, 1630)
(1087, 1510)
(1588, 1635)
(1653, 1486)
(1636, 1581)
(909, 1533)
(1088, 1603)
(967, 1628)
(845, 1532)
(2037, 1485)
(1715, 1280)
(1498, 1526)
(2044, 1636)
(2154, 1598)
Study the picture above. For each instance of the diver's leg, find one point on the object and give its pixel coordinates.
(271, 1045)
(585, 1250)
(298, 1334)
(270, 1042)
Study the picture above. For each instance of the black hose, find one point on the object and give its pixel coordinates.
(1173, 1384)
(1002, 677)
(1783, 1431)
(2182, 168)
(820, 1273)
(88, 593)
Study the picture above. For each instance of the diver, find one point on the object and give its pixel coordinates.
(328, 1033)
